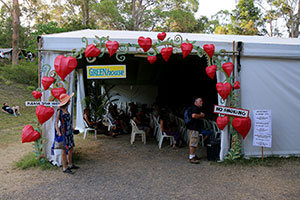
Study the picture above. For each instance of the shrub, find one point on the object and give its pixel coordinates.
(24, 73)
(30, 160)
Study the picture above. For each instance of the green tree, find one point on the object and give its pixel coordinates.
(245, 19)
(290, 11)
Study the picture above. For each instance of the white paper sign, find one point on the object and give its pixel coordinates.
(44, 103)
(262, 132)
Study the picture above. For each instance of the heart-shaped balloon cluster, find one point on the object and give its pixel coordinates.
(224, 89)
(29, 134)
(236, 85)
(166, 53)
(145, 43)
(112, 47)
(228, 68)
(91, 51)
(56, 92)
(211, 71)
(36, 94)
(186, 49)
(161, 36)
(64, 65)
(44, 113)
(222, 122)
(209, 49)
(47, 82)
(152, 59)
(242, 125)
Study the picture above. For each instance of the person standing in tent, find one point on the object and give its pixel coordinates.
(65, 130)
(194, 128)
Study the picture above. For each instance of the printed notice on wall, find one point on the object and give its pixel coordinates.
(262, 132)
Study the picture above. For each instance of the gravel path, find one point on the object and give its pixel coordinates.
(113, 169)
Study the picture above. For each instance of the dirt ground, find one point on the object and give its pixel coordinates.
(111, 168)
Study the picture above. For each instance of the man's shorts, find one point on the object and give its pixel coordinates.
(194, 138)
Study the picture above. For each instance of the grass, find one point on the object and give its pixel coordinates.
(30, 161)
(267, 162)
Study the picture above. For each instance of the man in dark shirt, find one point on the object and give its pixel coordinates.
(194, 128)
(13, 110)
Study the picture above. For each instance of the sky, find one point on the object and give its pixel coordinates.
(211, 7)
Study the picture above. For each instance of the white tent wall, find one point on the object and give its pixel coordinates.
(48, 127)
(273, 84)
(80, 103)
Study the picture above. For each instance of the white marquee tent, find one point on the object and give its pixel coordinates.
(269, 77)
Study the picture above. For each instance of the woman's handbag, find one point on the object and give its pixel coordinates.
(59, 142)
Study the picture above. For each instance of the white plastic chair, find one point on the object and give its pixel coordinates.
(217, 132)
(87, 128)
(136, 131)
(162, 135)
(107, 122)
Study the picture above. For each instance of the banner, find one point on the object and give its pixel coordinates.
(106, 71)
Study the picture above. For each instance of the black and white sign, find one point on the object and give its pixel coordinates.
(236, 112)
(44, 103)
(262, 132)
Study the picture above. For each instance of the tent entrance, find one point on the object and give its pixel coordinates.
(174, 84)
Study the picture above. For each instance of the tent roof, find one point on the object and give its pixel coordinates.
(253, 45)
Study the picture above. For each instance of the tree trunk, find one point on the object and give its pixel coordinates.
(296, 31)
(15, 36)
(85, 12)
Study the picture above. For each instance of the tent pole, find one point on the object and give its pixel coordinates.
(39, 57)
(233, 58)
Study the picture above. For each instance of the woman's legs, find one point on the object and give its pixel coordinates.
(64, 159)
(70, 157)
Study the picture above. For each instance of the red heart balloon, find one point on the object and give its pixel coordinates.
(224, 89)
(211, 71)
(152, 59)
(56, 92)
(210, 49)
(64, 65)
(228, 68)
(29, 135)
(222, 122)
(186, 49)
(166, 53)
(236, 85)
(92, 51)
(242, 125)
(112, 47)
(47, 81)
(161, 36)
(36, 94)
(145, 43)
(44, 113)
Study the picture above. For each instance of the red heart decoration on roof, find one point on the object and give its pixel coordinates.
(209, 49)
(224, 89)
(56, 92)
(211, 71)
(29, 135)
(228, 68)
(112, 47)
(152, 59)
(242, 125)
(186, 49)
(161, 36)
(92, 51)
(64, 65)
(222, 122)
(36, 94)
(145, 43)
(47, 81)
(236, 85)
(166, 53)
(44, 113)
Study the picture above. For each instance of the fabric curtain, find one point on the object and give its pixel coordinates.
(80, 104)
